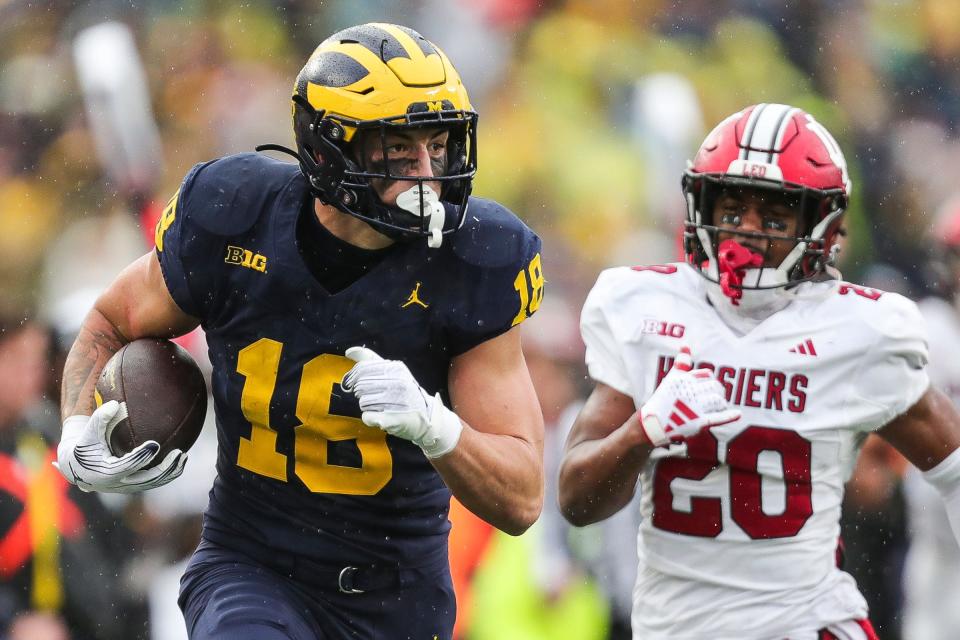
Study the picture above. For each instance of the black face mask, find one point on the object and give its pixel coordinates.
(337, 179)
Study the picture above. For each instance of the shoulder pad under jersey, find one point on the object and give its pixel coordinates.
(226, 196)
(491, 235)
(894, 316)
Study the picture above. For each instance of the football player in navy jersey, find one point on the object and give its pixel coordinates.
(361, 312)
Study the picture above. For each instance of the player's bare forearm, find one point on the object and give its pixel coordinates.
(97, 341)
(496, 470)
(604, 455)
(135, 305)
(598, 477)
(927, 432)
(498, 477)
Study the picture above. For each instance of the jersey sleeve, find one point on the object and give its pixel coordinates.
(501, 282)
(218, 201)
(603, 353)
(893, 373)
(184, 247)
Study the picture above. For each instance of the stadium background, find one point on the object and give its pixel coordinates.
(588, 112)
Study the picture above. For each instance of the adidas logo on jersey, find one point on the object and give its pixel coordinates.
(805, 348)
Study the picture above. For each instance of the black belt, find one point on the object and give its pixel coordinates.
(351, 578)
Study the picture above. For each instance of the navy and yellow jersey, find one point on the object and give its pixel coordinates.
(297, 469)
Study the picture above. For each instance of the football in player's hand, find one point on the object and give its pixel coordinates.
(164, 393)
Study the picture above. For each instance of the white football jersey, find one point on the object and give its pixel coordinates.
(741, 523)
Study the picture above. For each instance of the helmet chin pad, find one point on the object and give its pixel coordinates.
(733, 259)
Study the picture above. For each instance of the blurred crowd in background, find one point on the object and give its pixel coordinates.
(589, 110)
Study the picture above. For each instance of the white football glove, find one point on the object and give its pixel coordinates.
(394, 401)
(84, 458)
(685, 402)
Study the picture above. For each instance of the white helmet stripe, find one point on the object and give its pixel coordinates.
(748, 130)
(767, 133)
(782, 131)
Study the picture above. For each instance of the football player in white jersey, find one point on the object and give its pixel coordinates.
(738, 387)
(931, 585)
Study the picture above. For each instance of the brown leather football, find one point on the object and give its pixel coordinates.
(164, 392)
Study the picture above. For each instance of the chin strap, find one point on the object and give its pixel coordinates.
(425, 202)
(278, 147)
(733, 259)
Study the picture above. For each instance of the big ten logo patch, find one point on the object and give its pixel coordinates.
(661, 328)
(246, 258)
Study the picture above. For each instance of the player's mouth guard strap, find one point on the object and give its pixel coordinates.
(946, 478)
(425, 203)
(734, 259)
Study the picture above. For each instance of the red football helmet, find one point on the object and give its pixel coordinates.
(946, 224)
(943, 268)
(776, 147)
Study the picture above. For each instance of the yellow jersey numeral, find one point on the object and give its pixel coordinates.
(259, 363)
(529, 285)
(166, 219)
